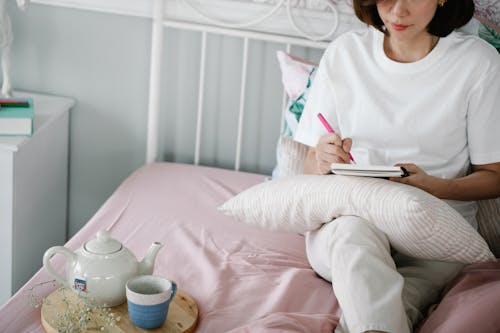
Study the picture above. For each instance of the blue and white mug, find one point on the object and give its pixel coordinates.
(148, 299)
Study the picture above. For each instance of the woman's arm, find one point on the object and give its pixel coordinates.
(482, 183)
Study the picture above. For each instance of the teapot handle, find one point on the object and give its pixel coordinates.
(70, 256)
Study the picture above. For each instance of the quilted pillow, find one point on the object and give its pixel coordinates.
(291, 157)
(416, 223)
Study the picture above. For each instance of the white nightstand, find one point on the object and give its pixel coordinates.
(33, 192)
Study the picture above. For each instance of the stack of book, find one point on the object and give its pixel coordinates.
(16, 116)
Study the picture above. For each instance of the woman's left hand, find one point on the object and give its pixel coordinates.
(418, 177)
(482, 183)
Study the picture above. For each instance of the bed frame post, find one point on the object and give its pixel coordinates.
(154, 82)
(201, 90)
(244, 68)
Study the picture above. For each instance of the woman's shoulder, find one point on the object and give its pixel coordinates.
(473, 47)
(475, 57)
(352, 41)
(353, 36)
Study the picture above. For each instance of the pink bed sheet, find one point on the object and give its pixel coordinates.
(243, 279)
(471, 303)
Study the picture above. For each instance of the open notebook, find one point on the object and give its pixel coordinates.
(368, 170)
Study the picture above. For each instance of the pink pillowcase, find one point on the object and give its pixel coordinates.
(470, 303)
(294, 74)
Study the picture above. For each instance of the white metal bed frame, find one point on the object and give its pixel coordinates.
(241, 30)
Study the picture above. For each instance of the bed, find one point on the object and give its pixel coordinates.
(243, 279)
(239, 283)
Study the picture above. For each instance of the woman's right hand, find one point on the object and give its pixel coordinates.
(331, 149)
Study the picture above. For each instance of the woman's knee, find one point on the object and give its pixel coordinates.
(358, 231)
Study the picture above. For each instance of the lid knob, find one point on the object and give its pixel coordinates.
(103, 244)
(103, 235)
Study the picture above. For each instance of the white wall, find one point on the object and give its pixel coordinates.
(102, 60)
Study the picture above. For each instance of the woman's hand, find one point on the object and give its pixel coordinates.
(482, 183)
(331, 149)
(418, 178)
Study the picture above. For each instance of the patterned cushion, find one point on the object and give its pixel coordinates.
(297, 75)
(488, 12)
(490, 35)
(416, 223)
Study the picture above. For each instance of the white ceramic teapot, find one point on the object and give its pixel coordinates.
(100, 268)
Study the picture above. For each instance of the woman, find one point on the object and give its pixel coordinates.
(410, 91)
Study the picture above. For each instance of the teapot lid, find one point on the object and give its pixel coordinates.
(103, 244)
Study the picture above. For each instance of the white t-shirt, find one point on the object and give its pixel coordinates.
(441, 112)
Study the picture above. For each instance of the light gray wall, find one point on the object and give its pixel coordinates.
(99, 60)
(102, 61)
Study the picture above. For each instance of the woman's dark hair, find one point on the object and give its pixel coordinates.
(454, 14)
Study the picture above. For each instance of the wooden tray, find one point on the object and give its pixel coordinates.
(182, 314)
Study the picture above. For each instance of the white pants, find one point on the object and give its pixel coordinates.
(375, 291)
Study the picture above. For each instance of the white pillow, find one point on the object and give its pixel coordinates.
(416, 223)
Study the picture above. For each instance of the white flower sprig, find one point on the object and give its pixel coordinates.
(80, 313)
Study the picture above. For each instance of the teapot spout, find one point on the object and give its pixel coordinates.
(147, 264)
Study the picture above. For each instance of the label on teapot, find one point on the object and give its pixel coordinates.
(80, 285)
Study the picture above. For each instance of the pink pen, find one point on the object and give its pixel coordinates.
(330, 130)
